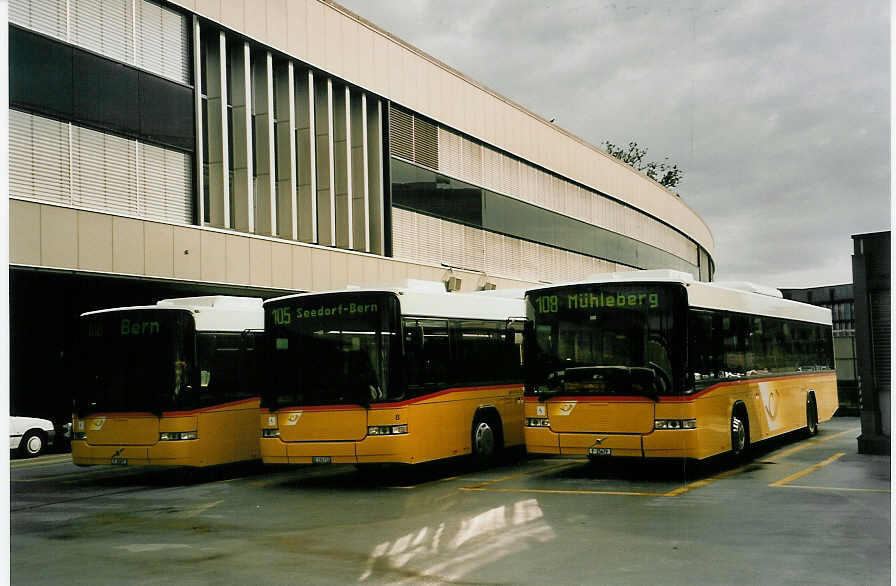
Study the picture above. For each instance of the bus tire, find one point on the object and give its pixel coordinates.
(33, 444)
(811, 416)
(740, 434)
(485, 439)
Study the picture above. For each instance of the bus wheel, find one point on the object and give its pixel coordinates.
(32, 444)
(811, 416)
(485, 440)
(740, 435)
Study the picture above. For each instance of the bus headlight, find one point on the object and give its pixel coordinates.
(537, 422)
(79, 436)
(270, 432)
(387, 429)
(675, 424)
(173, 436)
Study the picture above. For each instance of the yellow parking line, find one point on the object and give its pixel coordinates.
(46, 461)
(428, 482)
(703, 482)
(808, 470)
(82, 474)
(202, 508)
(553, 491)
(835, 488)
(810, 443)
(519, 474)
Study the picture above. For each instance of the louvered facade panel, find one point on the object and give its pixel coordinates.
(545, 263)
(104, 174)
(573, 200)
(401, 134)
(530, 260)
(513, 256)
(576, 266)
(544, 189)
(451, 154)
(103, 26)
(522, 192)
(151, 182)
(473, 247)
(493, 249)
(165, 185)
(558, 195)
(429, 244)
(163, 41)
(472, 160)
(491, 169)
(404, 234)
(48, 17)
(426, 143)
(512, 173)
(38, 158)
(452, 238)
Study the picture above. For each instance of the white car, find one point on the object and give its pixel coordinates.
(30, 436)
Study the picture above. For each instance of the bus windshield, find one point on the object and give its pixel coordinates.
(606, 339)
(136, 360)
(331, 349)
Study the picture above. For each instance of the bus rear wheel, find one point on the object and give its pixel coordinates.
(740, 435)
(811, 416)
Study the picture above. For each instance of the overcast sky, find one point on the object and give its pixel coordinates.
(778, 112)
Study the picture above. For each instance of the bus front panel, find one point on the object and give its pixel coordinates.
(600, 359)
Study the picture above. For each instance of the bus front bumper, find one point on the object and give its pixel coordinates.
(370, 450)
(657, 444)
(175, 453)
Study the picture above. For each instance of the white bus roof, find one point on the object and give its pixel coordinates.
(212, 313)
(736, 296)
(429, 302)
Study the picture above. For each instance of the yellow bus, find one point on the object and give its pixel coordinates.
(169, 384)
(400, 375)
(653, 364)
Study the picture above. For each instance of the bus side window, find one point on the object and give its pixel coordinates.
(427, 355)
(480, 351)
(702, 354)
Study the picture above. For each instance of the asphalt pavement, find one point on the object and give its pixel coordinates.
(802, 511)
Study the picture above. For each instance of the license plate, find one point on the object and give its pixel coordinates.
(598, 451)
(321, 459)
(120, 461)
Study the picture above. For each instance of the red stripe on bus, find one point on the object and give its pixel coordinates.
(681, 399)
(399, 403)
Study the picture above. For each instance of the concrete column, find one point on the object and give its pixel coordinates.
(359, 209)
(241, 112)
(265, 187)
(199, 169)
(287, 218)
(323, 128)
(306, 178)
(218, 154)
(342, 165)
(375, 162)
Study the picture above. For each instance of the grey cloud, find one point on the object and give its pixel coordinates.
(777, 111)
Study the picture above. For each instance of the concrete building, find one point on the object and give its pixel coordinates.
(259, 147)
(841, 301)
(871, 278)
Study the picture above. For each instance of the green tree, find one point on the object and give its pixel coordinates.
(664, 173)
